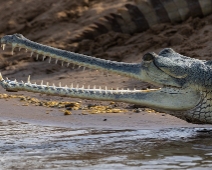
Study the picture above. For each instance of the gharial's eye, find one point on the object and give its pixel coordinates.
(148, 57)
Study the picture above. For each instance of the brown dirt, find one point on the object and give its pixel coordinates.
(56, 23)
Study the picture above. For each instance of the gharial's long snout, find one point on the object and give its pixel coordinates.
(171, 96)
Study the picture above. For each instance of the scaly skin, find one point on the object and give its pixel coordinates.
(144, 14)
(186, 82)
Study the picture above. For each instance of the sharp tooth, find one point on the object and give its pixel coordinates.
(72, 85)
(47, 84)
(41, 83)
(53, 85)
(59, 84)
(19, 48)
(62, 64)
(25, 50)
(28, 80)
(50, 59)
(66, 86)
(134, 89)
(83, 69)
(68, 64)
(43, 58)
(37, 56)
(15, 81)
(94, 87)
(56, 61)
(106, 90)
(3, 46)
(1, 78)
(12, 50)
(79, 67)
(31, 54)
(77, 86)
(83, 87)
(22, 81)
(88, 86)
(7, 78)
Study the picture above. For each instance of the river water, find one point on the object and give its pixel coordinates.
(26, 146)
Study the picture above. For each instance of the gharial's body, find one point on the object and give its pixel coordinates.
(140, 15)
(186, 83)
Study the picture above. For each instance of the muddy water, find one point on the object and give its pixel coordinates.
(26, 146)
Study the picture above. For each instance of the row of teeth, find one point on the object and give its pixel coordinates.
(53, 86)
(43, 57)
(65, 87)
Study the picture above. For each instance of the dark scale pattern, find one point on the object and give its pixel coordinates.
(139, 17)
(202, 113)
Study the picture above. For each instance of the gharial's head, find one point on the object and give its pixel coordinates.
(185, 82)
(184, 79)
(169, 68)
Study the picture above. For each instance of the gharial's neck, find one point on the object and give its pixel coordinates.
(201, 113)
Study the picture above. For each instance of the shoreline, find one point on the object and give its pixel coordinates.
(13, 110)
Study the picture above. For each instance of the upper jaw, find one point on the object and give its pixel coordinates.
(151, 74)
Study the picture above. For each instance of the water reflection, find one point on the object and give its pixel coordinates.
(25, 146)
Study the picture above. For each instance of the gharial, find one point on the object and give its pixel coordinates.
(185, 82)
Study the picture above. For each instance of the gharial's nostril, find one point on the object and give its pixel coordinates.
(148, 57)
(18, 35)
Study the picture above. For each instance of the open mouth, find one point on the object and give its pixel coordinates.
(165, 98)
(61, 56)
